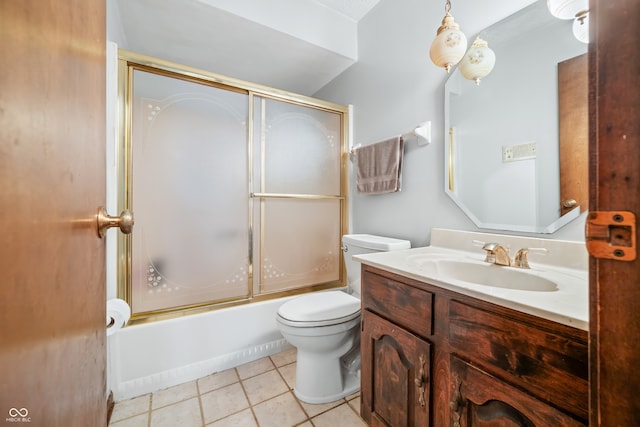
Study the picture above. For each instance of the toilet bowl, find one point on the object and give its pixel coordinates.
(325, 328)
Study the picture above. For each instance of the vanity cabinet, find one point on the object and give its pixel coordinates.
(434, 357)
(396, 357)
(396, 368)
(481, 399)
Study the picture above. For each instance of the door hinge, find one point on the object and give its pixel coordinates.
(611, 235)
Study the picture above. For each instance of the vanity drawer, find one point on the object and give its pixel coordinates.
(398, 302)
(550, 366)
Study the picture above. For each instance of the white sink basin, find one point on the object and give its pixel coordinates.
(484, 274)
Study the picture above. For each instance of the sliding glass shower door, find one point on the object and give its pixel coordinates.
(298, 190)
(189, 176)
(238, 194)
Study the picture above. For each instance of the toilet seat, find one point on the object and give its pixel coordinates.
(319, 309)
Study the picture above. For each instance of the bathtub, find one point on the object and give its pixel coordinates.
(148, 357)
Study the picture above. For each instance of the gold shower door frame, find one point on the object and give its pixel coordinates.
(127, 64)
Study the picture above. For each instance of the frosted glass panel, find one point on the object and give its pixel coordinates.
(301, 245)
(301, 149)
(228, 206)
(190, 184)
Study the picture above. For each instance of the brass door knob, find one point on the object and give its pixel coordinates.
(569, 203)
(124, 221)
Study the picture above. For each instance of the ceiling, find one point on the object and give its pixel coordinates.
(354, 9)
(293, 45)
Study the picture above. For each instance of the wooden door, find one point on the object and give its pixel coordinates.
(52, 180)
(573, 106)
(614, 184)
(395, 373)
(479, 399)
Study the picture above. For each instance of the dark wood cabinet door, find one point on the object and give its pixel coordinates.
(479, 399)
(549, 365)
(395, 375)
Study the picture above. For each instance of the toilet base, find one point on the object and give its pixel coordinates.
(323, 377)
(351, 382)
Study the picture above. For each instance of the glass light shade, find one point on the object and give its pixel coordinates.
(567, 9)
(478, 61)
(581, 27)
(449, 45)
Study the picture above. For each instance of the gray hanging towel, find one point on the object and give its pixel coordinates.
(379, 167)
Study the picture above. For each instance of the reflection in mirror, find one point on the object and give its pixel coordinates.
(502, 161)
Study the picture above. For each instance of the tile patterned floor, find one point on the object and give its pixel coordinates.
(258, 394)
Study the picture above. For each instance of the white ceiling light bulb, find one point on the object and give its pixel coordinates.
(450, 43)
(567, 9)
(478, 61)
(581, 26)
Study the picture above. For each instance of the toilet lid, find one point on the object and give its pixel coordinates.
(319, 307)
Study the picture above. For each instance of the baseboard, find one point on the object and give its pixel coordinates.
(161, 380)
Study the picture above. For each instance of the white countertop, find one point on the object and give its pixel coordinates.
(568, 304)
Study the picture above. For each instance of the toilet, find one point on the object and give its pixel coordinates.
(325, 328)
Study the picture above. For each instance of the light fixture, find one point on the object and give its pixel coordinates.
(478, 62)
(450, 43)
(578, 10)
(567, 9)
(581, 26)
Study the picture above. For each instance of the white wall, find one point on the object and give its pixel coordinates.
(115, 31)
(393, 87)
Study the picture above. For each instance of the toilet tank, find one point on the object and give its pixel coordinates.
(357, 244)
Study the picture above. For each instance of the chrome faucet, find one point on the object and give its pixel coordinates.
(497, 254)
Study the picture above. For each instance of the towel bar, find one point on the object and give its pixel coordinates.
(422, 132)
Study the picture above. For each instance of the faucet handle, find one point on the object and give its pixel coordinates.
(478, 243)
(520, 258)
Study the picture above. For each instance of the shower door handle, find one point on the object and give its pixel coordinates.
(124, 221)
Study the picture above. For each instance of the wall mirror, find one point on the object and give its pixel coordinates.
(503, 137)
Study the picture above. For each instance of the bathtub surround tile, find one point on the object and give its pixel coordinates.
(281, 411)
(223, 402)
(257, 394)
(264, 386)
(255, 368)
(217, 380)
(173, 395)
(129, 408)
